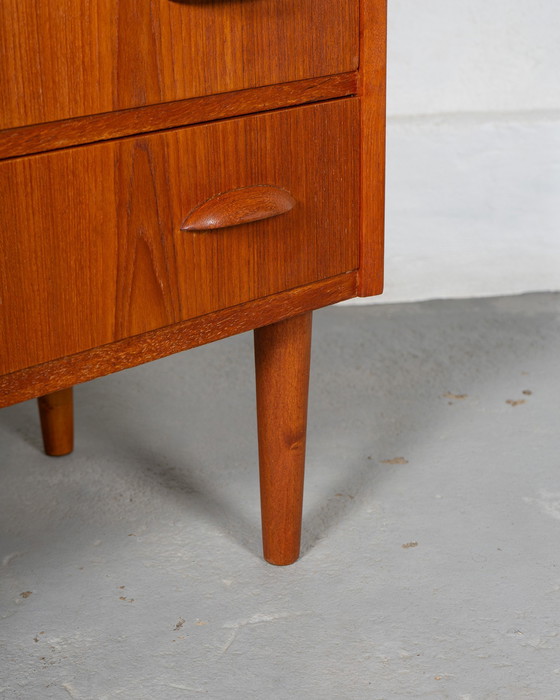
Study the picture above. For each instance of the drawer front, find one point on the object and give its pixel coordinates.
(68, 58)
(92, 249)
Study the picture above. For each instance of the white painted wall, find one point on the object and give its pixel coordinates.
(473, 55)
(473, 152)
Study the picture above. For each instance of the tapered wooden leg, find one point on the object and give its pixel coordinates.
(56, 411)
(282, 354)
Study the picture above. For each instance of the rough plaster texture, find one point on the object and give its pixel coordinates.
(473, 149)
(454, 57)
(131, 569)
(472, 207)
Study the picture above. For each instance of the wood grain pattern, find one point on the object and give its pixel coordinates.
(101, 127)
(373, 30)
(241, 206)
(65, 58)
(116, 98)
(91, 239)
(56, 412)
(130, 352)
(282, 359)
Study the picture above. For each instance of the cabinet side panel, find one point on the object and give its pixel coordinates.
(373, 35)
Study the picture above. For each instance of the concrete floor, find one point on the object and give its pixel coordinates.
(132, 568)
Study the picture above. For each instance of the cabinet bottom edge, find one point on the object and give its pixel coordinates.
(64, 372)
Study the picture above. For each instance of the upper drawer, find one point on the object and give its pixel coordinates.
(91, 239)
(68, 58)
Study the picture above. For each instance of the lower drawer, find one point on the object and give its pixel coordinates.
(92, 248)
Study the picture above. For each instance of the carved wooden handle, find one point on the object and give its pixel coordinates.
(240, 206)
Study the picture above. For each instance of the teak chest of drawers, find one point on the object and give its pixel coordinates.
(176, 171)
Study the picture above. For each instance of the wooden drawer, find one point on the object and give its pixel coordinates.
(68, 58)
(92, 249)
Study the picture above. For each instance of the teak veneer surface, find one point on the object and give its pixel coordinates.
(109, 145)
(101, 127)
(69, 58)
(373, 49)
(92, 246)
(282, 358)
(56, 412)
(74, 369)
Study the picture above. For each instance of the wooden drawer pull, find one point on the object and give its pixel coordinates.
(240, 206)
